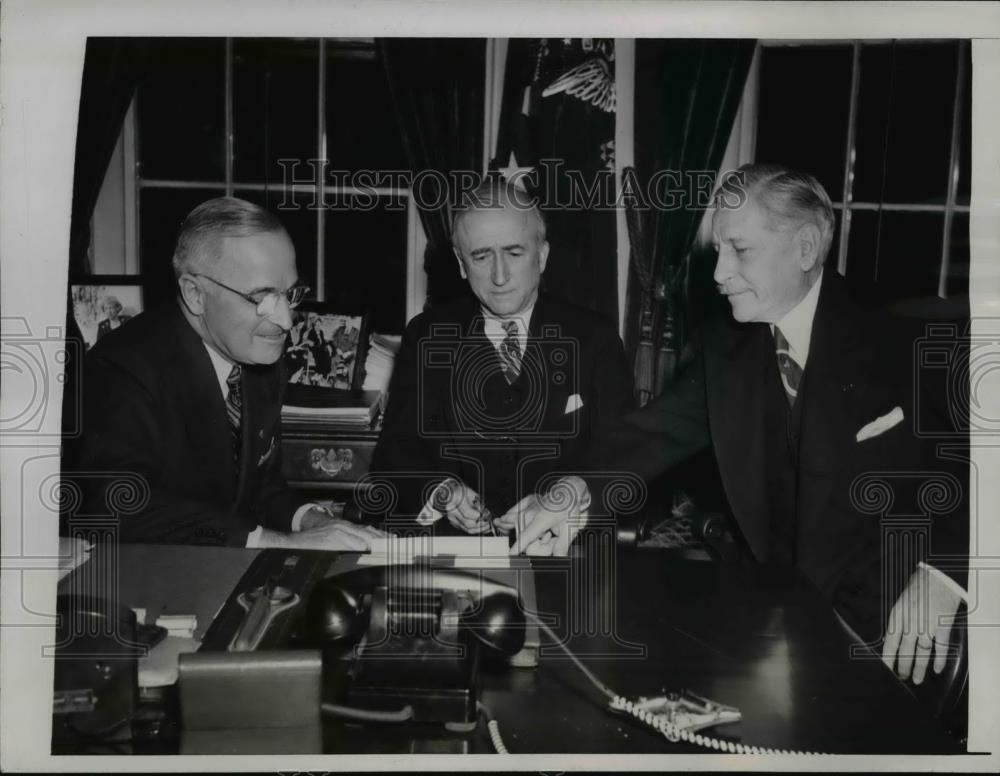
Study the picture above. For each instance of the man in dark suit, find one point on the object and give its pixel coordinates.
(183, 404)
(499, 404)
(807, 401)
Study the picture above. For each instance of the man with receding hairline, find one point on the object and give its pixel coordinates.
(187, 398)
(802, 394)
(500, 403)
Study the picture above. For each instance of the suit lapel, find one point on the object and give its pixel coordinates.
(837, 374)
(204, 404)
(735, 377)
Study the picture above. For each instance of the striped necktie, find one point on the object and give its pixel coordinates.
(791, 372)
(510, 352)
(234, 408)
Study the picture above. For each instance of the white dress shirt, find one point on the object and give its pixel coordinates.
(223, 368)
(496, 334)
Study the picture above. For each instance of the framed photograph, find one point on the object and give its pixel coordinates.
(326, 348)
(100, 308)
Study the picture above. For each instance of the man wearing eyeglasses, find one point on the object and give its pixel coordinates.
(182, 406)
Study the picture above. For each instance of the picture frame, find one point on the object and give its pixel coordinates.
(326, 348)
(101, 305)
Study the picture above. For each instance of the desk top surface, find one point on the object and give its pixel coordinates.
(644, 624)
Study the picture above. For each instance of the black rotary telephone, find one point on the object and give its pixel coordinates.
(386, 604)
(415, 636)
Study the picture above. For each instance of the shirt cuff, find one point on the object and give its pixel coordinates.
(254, 537)
(956, 588)
(300, 513)
(429, 515)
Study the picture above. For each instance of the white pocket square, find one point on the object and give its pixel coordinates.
(573, 403)
(881, 425)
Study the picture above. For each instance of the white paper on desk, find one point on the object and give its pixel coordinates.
(468, 551)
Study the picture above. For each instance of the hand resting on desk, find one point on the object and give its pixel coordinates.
(321, 532)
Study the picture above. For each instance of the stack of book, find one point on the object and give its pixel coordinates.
(315, 409)
(382, 350)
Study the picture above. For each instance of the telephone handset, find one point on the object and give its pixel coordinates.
(383, 603)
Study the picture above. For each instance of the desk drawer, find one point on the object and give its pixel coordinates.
(326, 460)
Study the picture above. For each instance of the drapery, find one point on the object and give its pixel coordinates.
(686, 96)
(568, 142)
(437, 87)
(112, 68)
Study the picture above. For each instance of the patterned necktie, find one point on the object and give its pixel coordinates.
(510, 352)
(791, 372)
(234, 408)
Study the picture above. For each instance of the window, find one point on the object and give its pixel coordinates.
(247, 117)
(886, 127)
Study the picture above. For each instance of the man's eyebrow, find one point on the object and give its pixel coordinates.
(513, 246)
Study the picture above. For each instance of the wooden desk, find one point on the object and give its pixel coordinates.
(738, 635)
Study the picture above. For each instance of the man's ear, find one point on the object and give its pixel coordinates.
(461, 264)
(192, 294)
(543, 255)
(808, 240)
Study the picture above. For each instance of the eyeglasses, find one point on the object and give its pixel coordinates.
(266, 302)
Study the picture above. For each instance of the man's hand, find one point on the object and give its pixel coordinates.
(462, 506)
(314, 518)
(330, 533)
(547, 524)
(920, 623)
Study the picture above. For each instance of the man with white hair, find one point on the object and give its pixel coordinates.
(808, 402)
(500, 403)
(184, 402)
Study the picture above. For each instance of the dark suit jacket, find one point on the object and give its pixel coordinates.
(451, 411)
(860, 368)
(153, 410)
(104, 327)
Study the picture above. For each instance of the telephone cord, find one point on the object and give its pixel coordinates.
(620, 703)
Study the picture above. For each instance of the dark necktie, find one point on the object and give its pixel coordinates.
(791, 372)
(510, 352)
(234, 408)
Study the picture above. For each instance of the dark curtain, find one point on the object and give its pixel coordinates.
(112, 68)
(686, 96)
(438, 88)
(569, 142)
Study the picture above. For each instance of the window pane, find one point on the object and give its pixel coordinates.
(909, 255)
(366, 262)
(300, 221)
(894, 255)
(361, 128)
(275, 107)
(833, 256)
(804, 100)
(958, 263)
(181, 111)
(161, 212)
(965, 151)
(904, 122)
(862, 249)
